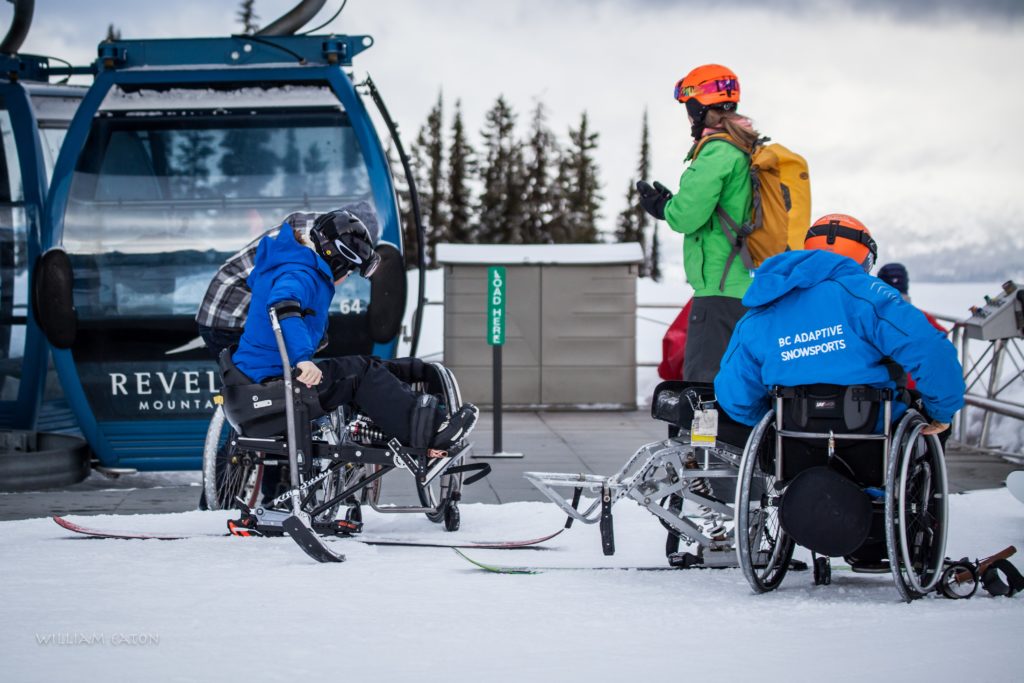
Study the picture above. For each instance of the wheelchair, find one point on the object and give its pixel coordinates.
(687, 481)
(323, 461)
(818, 472)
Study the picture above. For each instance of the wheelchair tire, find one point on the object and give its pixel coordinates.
(916, 508)
(448, 490)
(764, 550)
(452, 517)
(227, 475)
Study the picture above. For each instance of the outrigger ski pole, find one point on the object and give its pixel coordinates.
(298, 524)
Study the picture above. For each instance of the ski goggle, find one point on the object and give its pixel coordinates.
(685, 92)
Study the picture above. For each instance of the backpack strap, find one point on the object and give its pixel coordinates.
(736, 234)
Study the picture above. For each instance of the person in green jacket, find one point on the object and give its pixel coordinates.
(718, 176)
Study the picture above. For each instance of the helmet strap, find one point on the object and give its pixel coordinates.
(697, 112)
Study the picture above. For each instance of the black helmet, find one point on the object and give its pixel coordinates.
(345, 243)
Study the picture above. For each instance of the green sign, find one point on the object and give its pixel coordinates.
(496, 305)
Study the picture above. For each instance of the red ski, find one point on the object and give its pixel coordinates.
(368, 540)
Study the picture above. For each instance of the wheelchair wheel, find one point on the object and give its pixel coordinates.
(916, 508)
(764, 549)
(443, 494)
(227, 474)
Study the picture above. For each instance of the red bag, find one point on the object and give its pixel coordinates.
(673, 345)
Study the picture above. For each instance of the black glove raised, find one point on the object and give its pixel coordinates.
(653, 199)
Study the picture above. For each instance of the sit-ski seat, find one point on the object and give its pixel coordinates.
(257, 409)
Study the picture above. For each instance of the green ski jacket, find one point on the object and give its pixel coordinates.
(719, 175)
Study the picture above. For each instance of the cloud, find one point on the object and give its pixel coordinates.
(906, 111)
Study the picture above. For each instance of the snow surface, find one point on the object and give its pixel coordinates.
(258, 609)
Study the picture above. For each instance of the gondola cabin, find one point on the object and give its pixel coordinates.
(182, 153)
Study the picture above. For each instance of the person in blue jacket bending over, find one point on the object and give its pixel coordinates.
(296, 276)
(817, 317)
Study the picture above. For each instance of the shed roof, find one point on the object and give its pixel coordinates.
(535, 254)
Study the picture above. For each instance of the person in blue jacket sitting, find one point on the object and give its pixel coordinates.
(296, 276)
(817, 317)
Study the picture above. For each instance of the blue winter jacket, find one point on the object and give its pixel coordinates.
(284, 270)
(817, 317)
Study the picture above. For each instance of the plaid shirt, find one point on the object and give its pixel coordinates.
(226, 302)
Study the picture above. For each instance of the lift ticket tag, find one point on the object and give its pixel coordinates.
(704, 429)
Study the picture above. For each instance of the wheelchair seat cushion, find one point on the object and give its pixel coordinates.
(826, 512)
(673, 402)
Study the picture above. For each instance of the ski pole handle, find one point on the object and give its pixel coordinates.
(985, 563)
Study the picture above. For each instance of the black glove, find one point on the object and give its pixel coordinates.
(653, 199)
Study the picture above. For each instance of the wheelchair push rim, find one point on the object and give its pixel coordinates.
(760, 526)
(916, 509)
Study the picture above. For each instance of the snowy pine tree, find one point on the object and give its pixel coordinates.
(247, 16)
(541, 159)
(410, 244)
(501, 212)
(431, 181)
(579, 187)
(655, 271)
(633, 220)
(461, 164)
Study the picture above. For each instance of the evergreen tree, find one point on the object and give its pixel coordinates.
(190, 167)
(247, 154)
(248, 17)
(113, 33)
(430, 145)
(314, 164)
(461, 164)
(633, 220)
(580, 187)
(655, 254)
(542, 156)
(291, 166)
(501, 201)
(410, 241)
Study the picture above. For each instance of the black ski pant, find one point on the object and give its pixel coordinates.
(712, 319)
(373, 387)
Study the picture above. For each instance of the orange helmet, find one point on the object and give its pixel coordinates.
(711, 84)
(842, 234)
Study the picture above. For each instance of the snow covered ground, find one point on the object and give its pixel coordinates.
(258, 609)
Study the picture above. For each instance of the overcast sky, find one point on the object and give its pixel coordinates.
(908, 112)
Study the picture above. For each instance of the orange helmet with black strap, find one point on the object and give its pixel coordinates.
(707, 86)
(843, 234)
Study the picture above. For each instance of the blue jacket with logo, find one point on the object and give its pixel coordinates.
(284, 270)
(817, 317)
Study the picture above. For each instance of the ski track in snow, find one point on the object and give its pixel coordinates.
(259, 609)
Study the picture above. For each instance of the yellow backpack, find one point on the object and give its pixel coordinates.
(781, 204)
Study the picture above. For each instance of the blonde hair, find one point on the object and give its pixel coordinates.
(302, 238)
(733, 124)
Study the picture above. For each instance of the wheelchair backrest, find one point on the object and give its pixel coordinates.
(257, 409)
(829, 407)
(674, 402)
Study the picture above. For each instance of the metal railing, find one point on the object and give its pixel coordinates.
(986, 381)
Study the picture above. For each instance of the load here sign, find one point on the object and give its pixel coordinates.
(496, 305)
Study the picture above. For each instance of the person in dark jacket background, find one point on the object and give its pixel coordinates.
(297, 279)
(817, 316)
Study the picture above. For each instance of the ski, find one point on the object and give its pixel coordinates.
(511, 569)
(384, 541)
(127, 535)
(531, 543)
(1015, 484)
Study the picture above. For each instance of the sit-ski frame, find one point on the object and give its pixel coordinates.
(656, 471)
